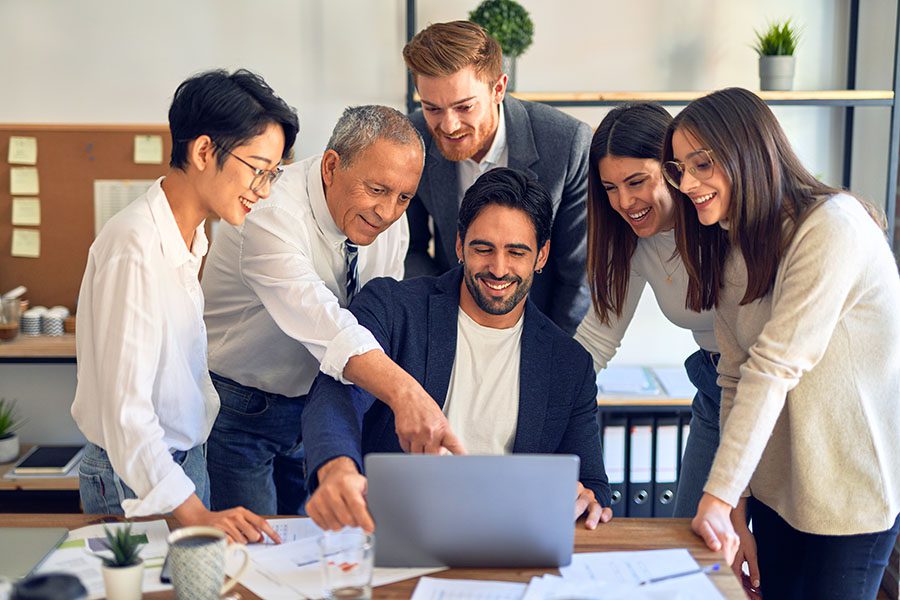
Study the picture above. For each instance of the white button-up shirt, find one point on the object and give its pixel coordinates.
(497, 156)
(143, 383)
(276, 288)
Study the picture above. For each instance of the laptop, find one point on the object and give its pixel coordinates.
(23, 549)
(472, 511)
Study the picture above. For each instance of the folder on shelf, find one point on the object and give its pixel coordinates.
(614, 462)
(640, 484)
(627, 381)
(675, 382)
(666, 469)
(685, 432)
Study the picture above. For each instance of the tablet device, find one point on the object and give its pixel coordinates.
(472, 511)
(48, 460)
(22, 549)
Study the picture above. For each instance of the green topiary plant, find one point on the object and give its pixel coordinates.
(10, 421)
(780, 39)
(507, 22)
(124, 546)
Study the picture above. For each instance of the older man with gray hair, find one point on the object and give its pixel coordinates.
(277, 290)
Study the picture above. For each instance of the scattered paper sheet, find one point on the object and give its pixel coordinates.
(620, 572)
(431, 588)
(26, 211)
(291, 570)
(26, 243)
(22, 150)
(112, 195)
(79, 554)
(148, 149)
(23, 181)
(551, 587)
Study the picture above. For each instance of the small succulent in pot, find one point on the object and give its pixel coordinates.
(125, 547)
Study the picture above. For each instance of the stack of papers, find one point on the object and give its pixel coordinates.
(80, 555)
(591, 576)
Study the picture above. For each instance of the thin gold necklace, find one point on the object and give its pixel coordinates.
(663, 263)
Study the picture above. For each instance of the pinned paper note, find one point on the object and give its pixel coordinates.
(26, 243)
(22, 150)
(23, 181)
(148, 149)
(26, 211)
(112, 195)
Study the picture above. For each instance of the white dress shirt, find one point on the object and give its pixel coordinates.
(497, 156)
(143, 383)
(482, 404)
(276, 288)
(653, 263)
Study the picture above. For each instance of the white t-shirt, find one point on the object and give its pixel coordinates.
(482, 403)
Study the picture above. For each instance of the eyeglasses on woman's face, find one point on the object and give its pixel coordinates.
(261, 177)
(700, 164)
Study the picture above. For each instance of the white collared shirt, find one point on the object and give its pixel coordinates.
(276, 288)
(497, 156)
(143, 383)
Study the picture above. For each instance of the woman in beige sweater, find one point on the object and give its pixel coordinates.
(807, 300)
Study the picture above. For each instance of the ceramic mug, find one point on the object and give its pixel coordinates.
(197, 562)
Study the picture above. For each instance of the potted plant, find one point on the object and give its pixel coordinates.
(775, 47)
(10, 422)
(510, 24)
(123, 573)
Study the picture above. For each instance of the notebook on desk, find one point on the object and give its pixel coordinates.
(23, 549)
(48, 460)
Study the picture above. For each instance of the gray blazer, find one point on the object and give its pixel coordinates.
(547, 145)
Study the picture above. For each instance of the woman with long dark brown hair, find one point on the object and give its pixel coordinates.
(631, 243)
(806, 294)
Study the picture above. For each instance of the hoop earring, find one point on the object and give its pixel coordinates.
(459, 261)
(539, 271)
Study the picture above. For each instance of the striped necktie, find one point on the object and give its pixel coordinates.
(351, 255)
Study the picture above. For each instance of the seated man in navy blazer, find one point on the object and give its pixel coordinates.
(507, 378)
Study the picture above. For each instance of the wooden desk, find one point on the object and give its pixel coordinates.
(39, 348)
(620, 534)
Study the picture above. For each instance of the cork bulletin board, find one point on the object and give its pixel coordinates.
(69, 159)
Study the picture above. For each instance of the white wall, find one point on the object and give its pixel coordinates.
(118, 61)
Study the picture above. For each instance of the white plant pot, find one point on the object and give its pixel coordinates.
(776, 73)
(9, 448)
(124, 583)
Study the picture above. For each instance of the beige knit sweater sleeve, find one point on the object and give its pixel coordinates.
(769, 344)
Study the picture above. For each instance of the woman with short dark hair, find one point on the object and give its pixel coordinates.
(145, 401)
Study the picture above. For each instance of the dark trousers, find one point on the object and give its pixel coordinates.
(793, 564)
(255, 451)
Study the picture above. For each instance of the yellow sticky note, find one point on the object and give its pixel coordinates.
(26, 211)
(148, 149)
(23, 181)
(22, 150)
(26, 243)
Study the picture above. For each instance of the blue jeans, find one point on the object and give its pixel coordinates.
(102, 491)
(255, 451)
(794, 564)
(703, 440)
